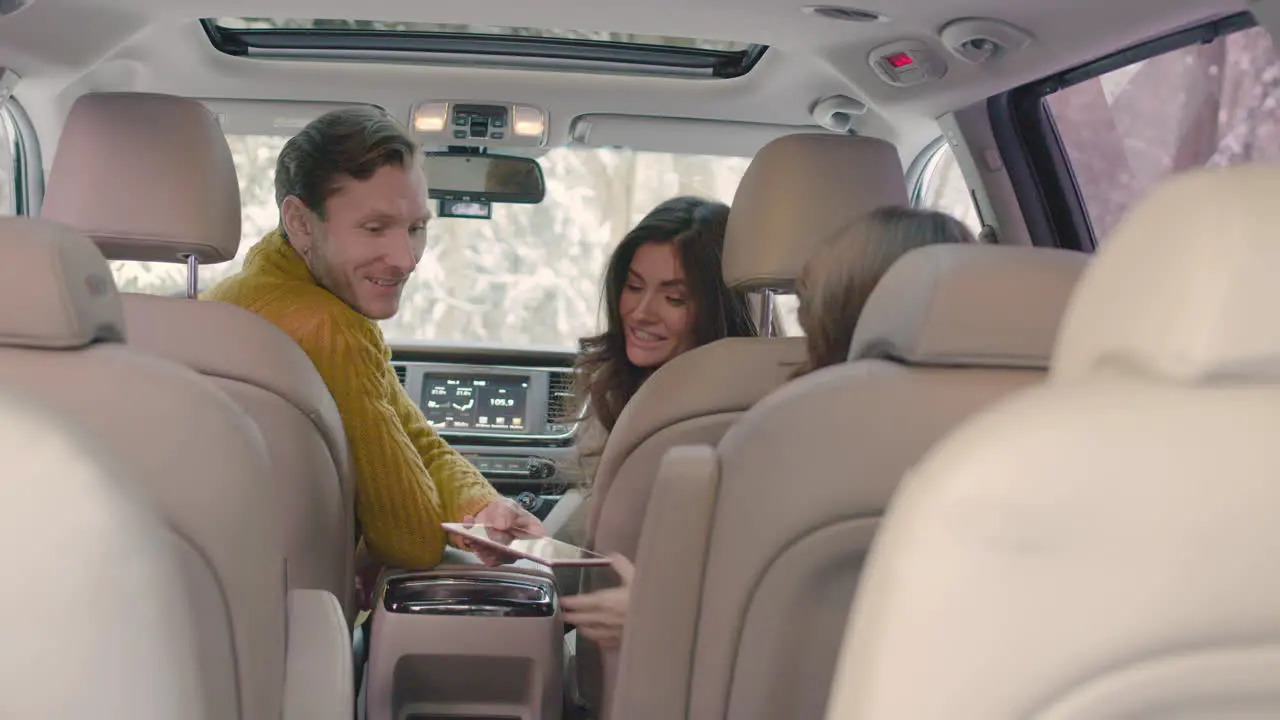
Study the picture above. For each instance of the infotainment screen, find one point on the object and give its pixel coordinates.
(476, 402)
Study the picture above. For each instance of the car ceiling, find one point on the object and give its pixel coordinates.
(63, 48)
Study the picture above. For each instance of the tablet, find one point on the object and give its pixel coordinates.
(544, 550)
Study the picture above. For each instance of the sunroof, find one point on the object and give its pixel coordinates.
(441, 43)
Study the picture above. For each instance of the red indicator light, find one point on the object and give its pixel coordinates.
(899, 60)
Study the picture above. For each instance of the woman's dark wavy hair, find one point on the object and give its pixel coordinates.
(605, 379)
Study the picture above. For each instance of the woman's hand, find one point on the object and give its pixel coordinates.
(601, 616)
(509, 520)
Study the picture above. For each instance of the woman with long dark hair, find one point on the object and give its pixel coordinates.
(664, 294)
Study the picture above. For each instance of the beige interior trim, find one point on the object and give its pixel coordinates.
(473, 664)
(106, 630)
(318, 665)
(683, 496)
(973, 140)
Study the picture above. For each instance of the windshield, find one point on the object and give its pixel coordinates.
(531, 276)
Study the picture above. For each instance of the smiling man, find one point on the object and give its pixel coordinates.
(353, 222)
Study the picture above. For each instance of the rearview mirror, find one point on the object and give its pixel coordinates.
(487, 178)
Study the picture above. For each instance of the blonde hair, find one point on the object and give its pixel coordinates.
(839, 276)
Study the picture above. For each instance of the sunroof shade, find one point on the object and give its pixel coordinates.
(480, 44)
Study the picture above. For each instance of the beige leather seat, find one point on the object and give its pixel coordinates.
(1104, 546)
(751, 550)
(199, 460)
(150, 177)
(100, 620)
(798, 191)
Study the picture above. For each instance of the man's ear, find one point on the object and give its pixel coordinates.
(299, 224)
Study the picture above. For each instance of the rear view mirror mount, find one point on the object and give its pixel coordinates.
(467, 209)
(482, 178)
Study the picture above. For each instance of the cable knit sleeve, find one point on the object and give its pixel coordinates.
(408, 480)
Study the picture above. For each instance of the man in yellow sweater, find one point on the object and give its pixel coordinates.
(353, 218)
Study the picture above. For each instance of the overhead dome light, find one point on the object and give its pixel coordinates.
(430, 117)
(847, 14)
(529, 122)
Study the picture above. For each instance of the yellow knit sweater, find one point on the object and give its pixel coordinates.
(408, 479)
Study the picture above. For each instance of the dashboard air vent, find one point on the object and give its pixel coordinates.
(559, 396)
(402, 374)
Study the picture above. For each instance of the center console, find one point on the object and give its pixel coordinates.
(509, 419)
(466, 642)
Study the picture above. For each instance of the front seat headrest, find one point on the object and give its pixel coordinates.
(798, 191)
(1185, 289)
(969, 305)
(58, 291)
(147, 177)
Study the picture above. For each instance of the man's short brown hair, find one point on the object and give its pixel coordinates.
(353, 141)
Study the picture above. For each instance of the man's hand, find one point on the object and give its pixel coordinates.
(502, 515)
(601, 616)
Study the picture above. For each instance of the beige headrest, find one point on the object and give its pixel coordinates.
(106, 628)
(798, 191)
(1186, 288)
(55, 288)
(969, 305)
(148, 177)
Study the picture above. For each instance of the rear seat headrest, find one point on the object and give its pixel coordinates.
(1185, 289)
(147, 177)
(55, 288)
(969, 305)
(798, 191)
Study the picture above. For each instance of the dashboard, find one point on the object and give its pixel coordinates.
(506, 411)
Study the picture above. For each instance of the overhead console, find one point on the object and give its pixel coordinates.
(475, 122)
(976, 41)
(907, 63)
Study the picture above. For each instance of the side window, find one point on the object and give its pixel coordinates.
(1216, 103)
(941, 187)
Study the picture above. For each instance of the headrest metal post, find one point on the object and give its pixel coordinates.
(193, 276)
(767, 305)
